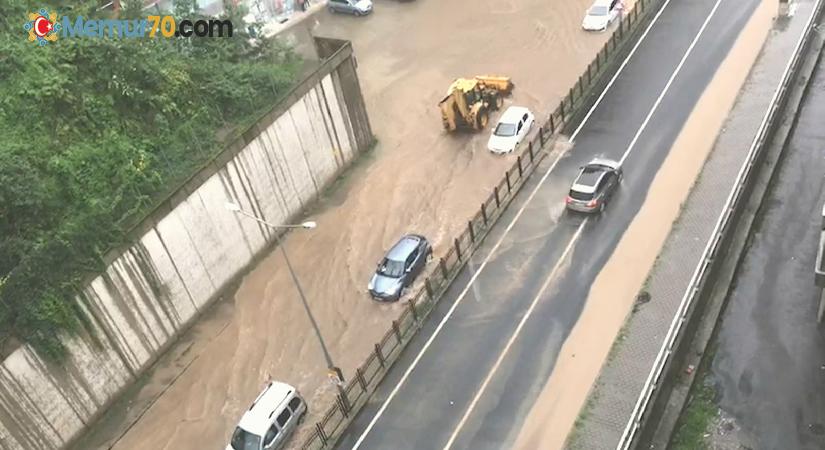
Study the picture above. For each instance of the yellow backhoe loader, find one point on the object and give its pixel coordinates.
(469, 101)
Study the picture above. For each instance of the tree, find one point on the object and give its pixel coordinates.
(95, 132)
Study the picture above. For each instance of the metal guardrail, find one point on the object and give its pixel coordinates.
(328, 429)
(388, 349)
(764, 133)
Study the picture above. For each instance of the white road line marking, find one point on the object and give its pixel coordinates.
(510, 226)
(627, 152)
(618, 72)
(515, 335)
(670, 82)
(452, 309)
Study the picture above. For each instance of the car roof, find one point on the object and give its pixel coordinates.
(258, 418)
(513, 114)
(402, 249)
(601, 2)
(589, 177)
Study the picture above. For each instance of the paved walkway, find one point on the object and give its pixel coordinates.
(622, 378)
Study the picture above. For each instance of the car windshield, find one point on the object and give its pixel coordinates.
(244, 440)
(598, 10)
(505, 129)
(392, 269)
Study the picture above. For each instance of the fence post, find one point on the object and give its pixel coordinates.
(530, 147)
(343, 403)
(570, 94)
(520, 170)
(507, 177)
(472, 232)
(484, 213)
(458, 249)
(380, 356)
(428, 287)
(411, 304)
(361, 380)
(581, 86)
(552, 128)
(397, 331)
(561, 108)
(320, 430)
(443, 265)
(621, 26)
(498, 202)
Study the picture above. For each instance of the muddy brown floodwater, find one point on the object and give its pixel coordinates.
(418, 179)
(614, 290)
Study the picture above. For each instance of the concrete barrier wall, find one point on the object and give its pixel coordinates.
(183, 254)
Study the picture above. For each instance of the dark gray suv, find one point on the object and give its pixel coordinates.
(405, 260)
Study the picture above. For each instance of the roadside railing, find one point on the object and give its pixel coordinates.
(579, 94)
(419, 306)
(328, 429)
(732, 206)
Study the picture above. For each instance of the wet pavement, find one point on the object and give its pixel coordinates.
(622, 379)
(417, 179)
(431, 408)
(769, 366)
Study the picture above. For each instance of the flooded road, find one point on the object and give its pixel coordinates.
(471, 378)
(417, 179)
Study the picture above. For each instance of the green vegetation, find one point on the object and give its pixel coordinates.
(696, 419)
(95, 132)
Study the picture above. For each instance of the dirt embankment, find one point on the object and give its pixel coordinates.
(418, 179)
(614, 290)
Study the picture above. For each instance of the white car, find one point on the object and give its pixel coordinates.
(511, 129)
(602, 14)
(356, 7)
(271, 420)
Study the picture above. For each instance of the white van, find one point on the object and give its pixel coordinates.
(270, 420)
(603, 12)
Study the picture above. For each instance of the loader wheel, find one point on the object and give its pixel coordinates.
(481, 120)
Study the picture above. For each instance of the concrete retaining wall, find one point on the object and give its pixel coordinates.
(184, 253)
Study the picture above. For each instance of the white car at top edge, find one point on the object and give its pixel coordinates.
(511, 129)
(603, 12)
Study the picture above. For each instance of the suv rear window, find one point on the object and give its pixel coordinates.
(576, 195)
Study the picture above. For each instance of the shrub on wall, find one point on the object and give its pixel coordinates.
(95, 131)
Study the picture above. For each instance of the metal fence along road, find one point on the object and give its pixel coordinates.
(732, 205)
(326, 431)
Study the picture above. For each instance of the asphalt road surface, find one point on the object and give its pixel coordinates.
(770, 360)
(468, 380)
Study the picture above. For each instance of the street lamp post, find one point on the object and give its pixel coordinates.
(334, 370)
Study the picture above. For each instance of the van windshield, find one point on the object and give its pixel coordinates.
(598, 10)
(244, 440)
